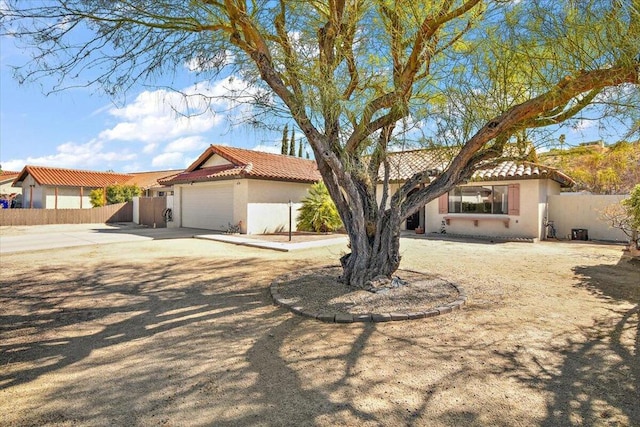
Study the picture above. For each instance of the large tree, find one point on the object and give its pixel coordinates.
(478, 74)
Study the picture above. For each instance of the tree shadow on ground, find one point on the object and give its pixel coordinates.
(598, 381)
(48, 324)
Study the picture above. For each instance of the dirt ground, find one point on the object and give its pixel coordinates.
(183, 332)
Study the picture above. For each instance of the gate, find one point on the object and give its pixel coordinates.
(151, 211)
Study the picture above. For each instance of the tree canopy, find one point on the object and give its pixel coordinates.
(355, 76)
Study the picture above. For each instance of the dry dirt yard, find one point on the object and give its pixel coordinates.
(184, 333)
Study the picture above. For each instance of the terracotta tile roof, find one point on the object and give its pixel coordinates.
(151, 179)
(83, 178)
(71, 177)
(510, 170)
(8, 176)
(406, 163)
(248, 164)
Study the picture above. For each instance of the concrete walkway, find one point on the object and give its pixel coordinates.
(277, 246)
(44, 237)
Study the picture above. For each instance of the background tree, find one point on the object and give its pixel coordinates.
(117, 193)
(318, 212)
(292, 143)
(285, 140)
(599, 168)
(626, 217)
(300, 148)
(472, 73)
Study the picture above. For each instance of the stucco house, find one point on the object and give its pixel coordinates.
(229, 186)
(508, 200)
(9, 194)
(59, 188)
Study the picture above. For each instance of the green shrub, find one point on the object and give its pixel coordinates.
(117, 193)
(318, 212)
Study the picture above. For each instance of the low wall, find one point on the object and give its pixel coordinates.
(271, 217)
(578, 211)
(121, 212)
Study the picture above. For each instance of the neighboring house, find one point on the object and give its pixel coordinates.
(508, 200)
(58, 188)
(9, 195)
(148, 182)
(229, 186)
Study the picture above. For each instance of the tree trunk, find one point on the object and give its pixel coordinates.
(372, 255)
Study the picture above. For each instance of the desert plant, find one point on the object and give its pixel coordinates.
(318, 212)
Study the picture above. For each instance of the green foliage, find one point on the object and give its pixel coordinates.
(599, 169)
(285, 140)
(318, 212)
(117, 193)
(97, 197)
(292, 144)
(632, 206)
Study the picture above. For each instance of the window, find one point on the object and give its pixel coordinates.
(485, 199)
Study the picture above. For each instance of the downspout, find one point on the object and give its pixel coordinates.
(56, 197)
(81, 195)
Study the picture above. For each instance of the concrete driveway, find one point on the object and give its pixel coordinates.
(43, 237)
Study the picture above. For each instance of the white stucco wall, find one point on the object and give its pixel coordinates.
(264, 218)
(583, 211)
(266, 208)
(136, 210)
(29, 192)
(176, 205)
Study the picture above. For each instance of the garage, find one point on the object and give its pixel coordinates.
(207, 206)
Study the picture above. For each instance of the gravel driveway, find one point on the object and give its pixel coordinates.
(182, 332)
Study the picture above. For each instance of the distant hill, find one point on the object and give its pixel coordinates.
(598, 168)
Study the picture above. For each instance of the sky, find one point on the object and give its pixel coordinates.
(82, 129)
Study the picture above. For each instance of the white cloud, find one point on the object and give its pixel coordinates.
(162, 115)
(583, 125)
(269, 149)
(75, 156)
(167, 160)
(150, 148)
(202, 62)
(186, 144)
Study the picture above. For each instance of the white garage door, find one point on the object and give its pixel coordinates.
(208, 207)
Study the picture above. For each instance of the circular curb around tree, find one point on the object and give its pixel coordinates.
(331, 317)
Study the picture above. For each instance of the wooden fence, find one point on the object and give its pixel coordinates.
(121, 212)
(151, 211)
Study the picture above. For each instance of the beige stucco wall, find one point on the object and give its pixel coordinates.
(8, 188)
(265, 218)
(261, 206)
(68, 198)
(266, 207)
(533, 197)
(216, 160)
(583, 211)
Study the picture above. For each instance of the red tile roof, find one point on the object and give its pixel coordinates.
(405, 164)
(8, 176)
(510, 170)
(248, 164)
(146, 180)
(83, 178)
